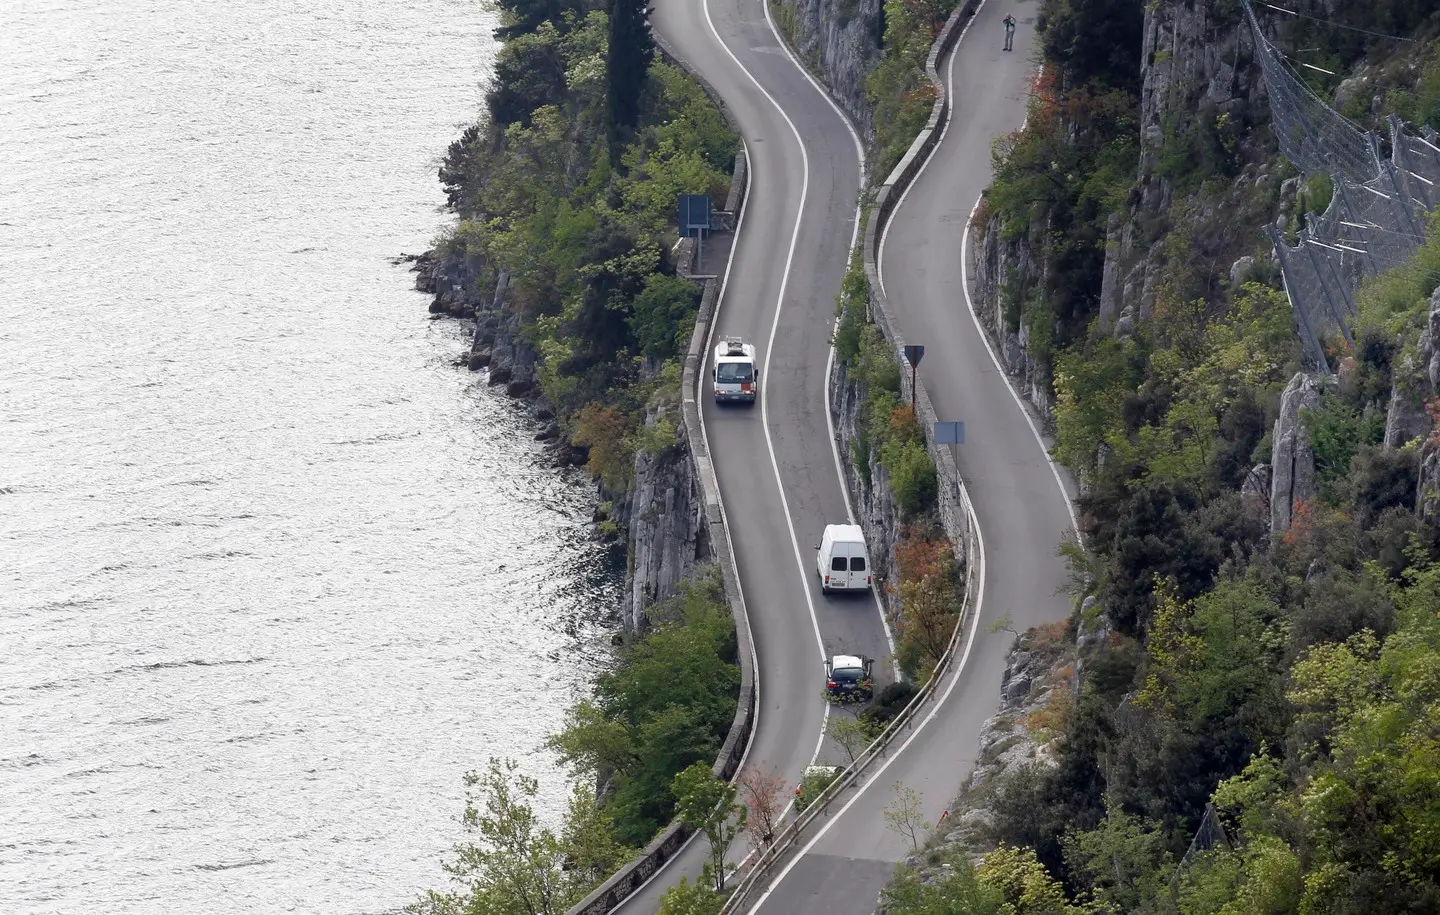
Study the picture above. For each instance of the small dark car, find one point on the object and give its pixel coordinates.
(848, 678)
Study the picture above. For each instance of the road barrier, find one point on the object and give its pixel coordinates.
(956, 514)
(609, 895)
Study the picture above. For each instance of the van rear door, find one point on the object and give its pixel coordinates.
(838, 575)
(859, 569)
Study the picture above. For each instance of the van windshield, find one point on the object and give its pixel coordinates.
(735, 373)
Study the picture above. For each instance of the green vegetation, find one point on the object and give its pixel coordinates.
(887, 429)
(707, 804)
(686, 898)
(930, 583)
(569, 183)
(519, 867)
(813, 784)
(655, 723)
(667, 704)
(931, 589)
(901, 94)
(1258, 731)
(1395, 303)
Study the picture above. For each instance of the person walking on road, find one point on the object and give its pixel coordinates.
(1009, 32)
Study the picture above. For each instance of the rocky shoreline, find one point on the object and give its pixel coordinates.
(495, 346)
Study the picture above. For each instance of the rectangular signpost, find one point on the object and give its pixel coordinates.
(695, 221)
(952, 434)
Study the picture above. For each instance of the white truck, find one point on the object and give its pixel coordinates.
(736, 376)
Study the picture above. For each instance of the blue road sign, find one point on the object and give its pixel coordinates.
(949, 433)
(694, 214)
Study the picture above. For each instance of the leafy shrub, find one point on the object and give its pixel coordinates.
(912, 478)
(1336, 432)
(890, 702)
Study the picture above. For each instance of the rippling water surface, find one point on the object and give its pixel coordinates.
(273, 571)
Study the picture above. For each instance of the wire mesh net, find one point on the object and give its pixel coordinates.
(1376, 217)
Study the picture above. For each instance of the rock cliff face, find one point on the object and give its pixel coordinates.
(664, 514)
(1292, 461)
(839, 40)
(1416, 385)
(1005, 272)
(1196, 80)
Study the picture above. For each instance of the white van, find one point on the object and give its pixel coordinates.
(841, 560)
(736, 377)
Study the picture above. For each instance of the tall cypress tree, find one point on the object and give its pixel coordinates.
(627, 64)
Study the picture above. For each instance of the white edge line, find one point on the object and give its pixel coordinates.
(830, 360)
(919, 728)
(705, 437)
(769, 346)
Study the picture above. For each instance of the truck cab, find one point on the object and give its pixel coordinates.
(736, 377)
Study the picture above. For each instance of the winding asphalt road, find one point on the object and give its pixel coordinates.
(776, 462)
(1022, 506)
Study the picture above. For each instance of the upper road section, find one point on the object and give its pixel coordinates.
(1022, 510)
(776, 462)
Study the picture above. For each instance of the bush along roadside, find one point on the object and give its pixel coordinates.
(898, 87)
(666, 705)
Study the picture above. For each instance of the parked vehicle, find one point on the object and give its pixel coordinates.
(736, 376)
(841, 560)
(848, 677)
(813, 783)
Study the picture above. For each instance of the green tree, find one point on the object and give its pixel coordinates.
(517, 866)
(662, 315)
(906, 814)
(591, 851)
(1023, 883)
(627, 64)
(707, 804)
(850, 733)
(686, 898)
(1121, 864)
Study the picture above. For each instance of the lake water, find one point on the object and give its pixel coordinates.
(274, 572)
